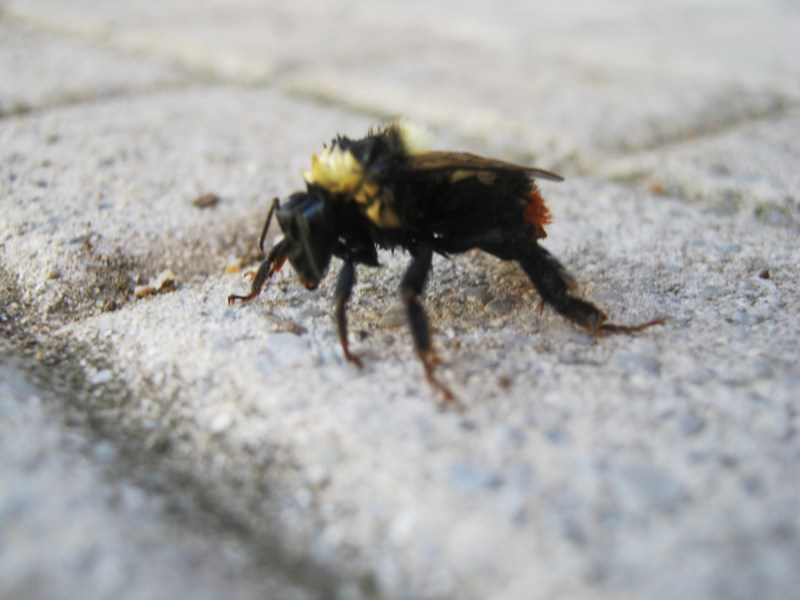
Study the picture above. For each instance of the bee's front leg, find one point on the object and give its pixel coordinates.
(271, 265)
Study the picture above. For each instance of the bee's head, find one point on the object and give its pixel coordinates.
(308, 230)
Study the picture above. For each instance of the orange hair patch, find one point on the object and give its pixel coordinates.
(536, 213)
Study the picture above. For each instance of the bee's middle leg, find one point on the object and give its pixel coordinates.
(344, 288)
(411, 287)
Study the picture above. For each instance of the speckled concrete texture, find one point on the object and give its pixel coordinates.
(656, 466)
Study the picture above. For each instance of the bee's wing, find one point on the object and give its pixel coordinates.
(464, 161)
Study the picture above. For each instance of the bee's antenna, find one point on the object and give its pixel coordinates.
(275, 204)
(305, 234)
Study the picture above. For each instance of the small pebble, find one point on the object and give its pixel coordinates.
(206, 200)
(636, 362)
(691, 424)
(395, 316)
(500, 306)
(221, 422)
(101, 377)
(652, 485)
(477, 294)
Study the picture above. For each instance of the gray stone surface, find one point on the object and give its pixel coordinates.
(43, 69)
(747, 169)
(658, 466)
(71, 528)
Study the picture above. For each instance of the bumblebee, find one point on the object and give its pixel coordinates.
(388, 190)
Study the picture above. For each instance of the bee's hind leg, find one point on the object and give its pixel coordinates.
(553, 283)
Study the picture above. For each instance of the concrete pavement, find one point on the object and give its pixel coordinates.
(657, 466)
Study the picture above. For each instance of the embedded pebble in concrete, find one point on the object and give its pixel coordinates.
(500, 306)
(650, 486)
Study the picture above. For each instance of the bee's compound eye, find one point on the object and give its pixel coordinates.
(306, 225)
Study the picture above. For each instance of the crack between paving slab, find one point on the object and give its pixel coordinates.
(183, 76)
(187, 502)
(326, 100)
(76, 99)
(126, 44)
(57, 366)
(781, 107)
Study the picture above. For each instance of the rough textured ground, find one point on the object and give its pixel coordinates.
(170, 429)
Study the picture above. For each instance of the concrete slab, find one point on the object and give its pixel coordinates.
(605, 467)
(580, 82)
(751, 168)
(42, 69)
(532, 78)
(654, 466)
(69, 529)
(569, 449)
(98, 197)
